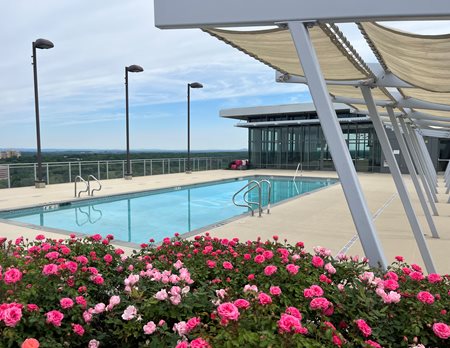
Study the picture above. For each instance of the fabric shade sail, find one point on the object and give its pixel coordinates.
(275, 48)
(420, 60)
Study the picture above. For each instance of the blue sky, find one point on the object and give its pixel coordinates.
(81, 80)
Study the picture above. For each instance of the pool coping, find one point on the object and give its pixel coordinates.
(178, 187)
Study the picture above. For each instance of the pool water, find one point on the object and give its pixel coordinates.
(157, 214)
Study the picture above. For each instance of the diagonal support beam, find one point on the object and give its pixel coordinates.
(338, 148)
(398, 180)
(412, 172)
(431, 179)
(416, 160)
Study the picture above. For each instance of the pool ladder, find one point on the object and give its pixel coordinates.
(87, 183)
(252, 185)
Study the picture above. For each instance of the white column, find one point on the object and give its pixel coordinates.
(412, 172)
(398, 179)
(338, 148)
(421, 156)
(427, 156)
(412, 150)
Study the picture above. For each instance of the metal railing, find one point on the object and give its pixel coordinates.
(24, 174)
(254, 184)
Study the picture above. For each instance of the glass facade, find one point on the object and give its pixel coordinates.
(285, 146)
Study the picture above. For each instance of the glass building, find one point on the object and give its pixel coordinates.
(282, 136)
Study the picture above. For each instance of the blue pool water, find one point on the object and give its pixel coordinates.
(158, 214)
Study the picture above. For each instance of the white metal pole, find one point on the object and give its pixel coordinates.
(427, 156)
(412, 173)
(338, 148)
(428, 190)
(398, 179)
(426, 170)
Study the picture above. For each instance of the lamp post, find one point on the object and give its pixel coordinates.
(134, 69)
(189, 86)
(41, 44)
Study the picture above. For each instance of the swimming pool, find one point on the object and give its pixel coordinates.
(156, 214)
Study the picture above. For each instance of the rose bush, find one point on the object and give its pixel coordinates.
(209, 292)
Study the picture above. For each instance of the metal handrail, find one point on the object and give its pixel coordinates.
(95, 189)
(296, 171)
(270, 192)
(259, 203)
(80, 179)
(255, 184)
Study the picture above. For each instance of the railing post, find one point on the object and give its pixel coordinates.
(107, 170)
(179, 165)
(70, 172)
(79, 168)
(48, 176)
(34, 166)
(123, 169)
(144, 167)
(168, 166)
(9, 176)
(151, 167)
(163, 171)
(98, 170)
(184, 164)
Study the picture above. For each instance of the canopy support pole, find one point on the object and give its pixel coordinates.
(427, 156)
(421, 156)
(338, 148)
(428, 190)
(412, 172)
(398, 179)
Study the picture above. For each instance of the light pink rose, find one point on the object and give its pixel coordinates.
(149, 328)
(129, 313)
(180, 328)
(161, 295)
(93, 344)
(99, 308)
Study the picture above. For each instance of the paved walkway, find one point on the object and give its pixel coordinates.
(321, 218)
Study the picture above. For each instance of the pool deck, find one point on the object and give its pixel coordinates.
(320, 218)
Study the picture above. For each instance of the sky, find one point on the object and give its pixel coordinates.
(81, 80)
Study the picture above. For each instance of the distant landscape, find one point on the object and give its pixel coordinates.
(62, 155)
(64, 165)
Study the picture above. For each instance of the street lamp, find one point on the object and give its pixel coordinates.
(133, 69)
(41, 44)
(189, 86)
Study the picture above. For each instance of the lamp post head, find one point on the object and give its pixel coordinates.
(43, 44)
(135, 68)
(195, 85)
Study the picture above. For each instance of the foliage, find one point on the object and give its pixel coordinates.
(212, 293)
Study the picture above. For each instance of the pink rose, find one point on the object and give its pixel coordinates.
(292, 269)
(269, 270)
(50, 269)
(317, 291)
(374, 344)
(149, 328)
(329, 268)
(180, 328)
(317, 262)
(391, 284)
(264, 299)
(87, 316)
(11, 276)
(30, 343)
(241, 303)
(294, 312)
(99, 308)
(275, 290)
(319, 303)
(441, 330)
(12, 315)
(182, 344)
(434, 278)
(210, 264)
(363, 327)
(54, 317)
(66, 303)
(192, 323)
(259, 259)
(425, 297)
(288, 323)
(227, 265)
(228, 311)
(199, 343)
(78, 329)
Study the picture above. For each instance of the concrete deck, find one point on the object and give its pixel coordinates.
(321, 218)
